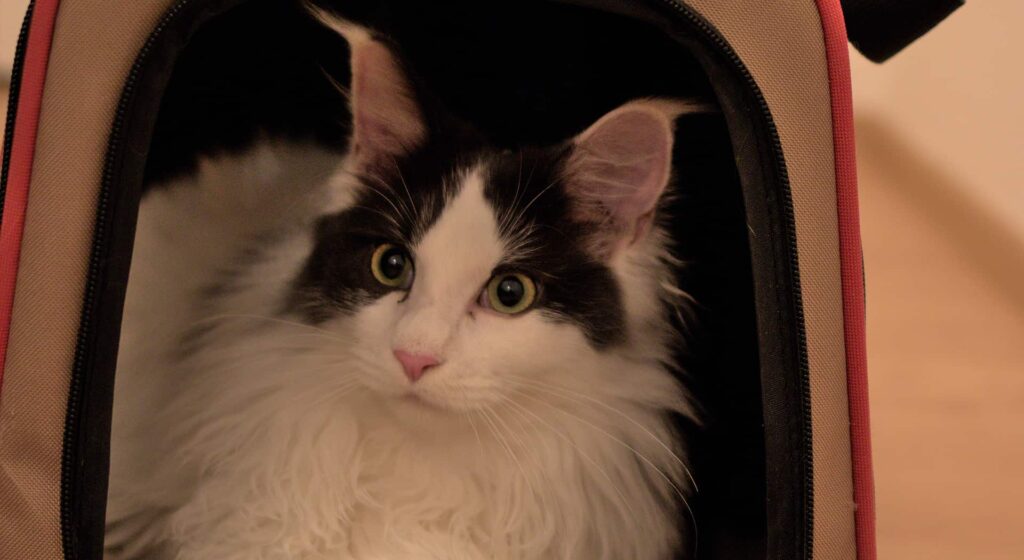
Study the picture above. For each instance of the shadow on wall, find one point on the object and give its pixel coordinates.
(986, 243)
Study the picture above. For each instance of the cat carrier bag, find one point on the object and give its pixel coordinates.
(109, 97)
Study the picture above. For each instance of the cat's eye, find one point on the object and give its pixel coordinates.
(392, 266)
(509, 293)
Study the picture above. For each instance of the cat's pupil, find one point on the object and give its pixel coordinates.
(510, 291)
(393, 263)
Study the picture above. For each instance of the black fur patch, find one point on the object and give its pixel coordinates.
(533, 208)
(398, 203)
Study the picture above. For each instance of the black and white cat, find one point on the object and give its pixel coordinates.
(430, 350)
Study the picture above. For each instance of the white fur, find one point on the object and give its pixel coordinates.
(275, 440)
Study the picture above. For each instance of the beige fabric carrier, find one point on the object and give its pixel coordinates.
(86, 92)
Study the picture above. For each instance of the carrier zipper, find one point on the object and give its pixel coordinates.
(68, 512)
(712, 34)
(12, 101)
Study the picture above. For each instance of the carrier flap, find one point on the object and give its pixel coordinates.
(881, 28)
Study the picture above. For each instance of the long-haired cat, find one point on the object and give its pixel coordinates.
(431, 349)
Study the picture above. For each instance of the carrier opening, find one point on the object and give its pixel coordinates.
(223, 77)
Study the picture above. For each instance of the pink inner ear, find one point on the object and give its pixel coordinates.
(622, 166)
(386, 119)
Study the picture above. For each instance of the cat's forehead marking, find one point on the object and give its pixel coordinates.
(463, 245)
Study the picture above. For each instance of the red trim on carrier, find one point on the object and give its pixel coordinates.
(23, 144)
(852, 270)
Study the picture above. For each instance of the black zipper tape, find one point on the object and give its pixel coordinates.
(81, 532)
(801, 525)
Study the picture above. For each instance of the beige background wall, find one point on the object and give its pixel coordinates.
(942, 190)
(11, 12)
(942, 194)
(956, 97)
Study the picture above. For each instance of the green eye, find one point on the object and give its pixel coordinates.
(510, 293)
(391, 266)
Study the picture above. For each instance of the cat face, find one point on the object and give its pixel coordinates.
(463, 276)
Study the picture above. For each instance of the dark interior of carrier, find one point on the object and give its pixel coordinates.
(218, 74)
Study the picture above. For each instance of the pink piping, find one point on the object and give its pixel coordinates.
(851, 267)
(23, 144)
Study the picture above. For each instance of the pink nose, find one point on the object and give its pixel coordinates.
(415, 365)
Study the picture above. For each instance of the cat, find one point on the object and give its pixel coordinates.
(430, 349)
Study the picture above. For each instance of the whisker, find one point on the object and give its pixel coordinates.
(485, 414)
(472, 424)
(523, 411)
(267, 318)
(637, 453)
(387, 217)
(534, 199)
(362, 180)
(515, 202)
(415, 211)
(291, 373)
(386, 199)
(341, 390)
(305, 335)
(569, 394)
(488, 414)
(522, 445)
(505, 222)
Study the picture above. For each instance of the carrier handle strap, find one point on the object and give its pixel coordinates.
(881, 28)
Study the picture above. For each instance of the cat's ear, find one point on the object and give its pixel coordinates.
(386, 119)
(619, 168)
